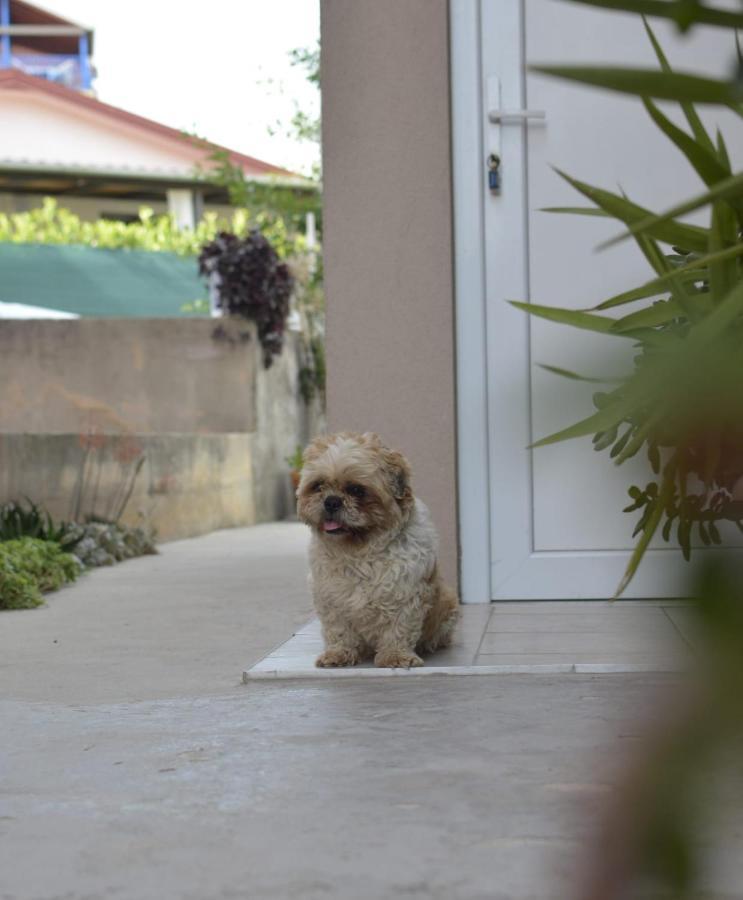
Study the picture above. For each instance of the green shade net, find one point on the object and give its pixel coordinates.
(90, 281)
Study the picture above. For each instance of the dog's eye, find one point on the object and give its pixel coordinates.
(355, 490)
(317, 486)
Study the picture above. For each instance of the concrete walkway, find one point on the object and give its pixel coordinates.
(179, 624)
(134, 765)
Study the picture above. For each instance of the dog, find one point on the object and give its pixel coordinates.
(373, 555)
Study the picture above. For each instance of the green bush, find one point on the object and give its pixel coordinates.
(52, 224)
(29, 567)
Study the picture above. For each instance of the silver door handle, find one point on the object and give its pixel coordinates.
(515, 115)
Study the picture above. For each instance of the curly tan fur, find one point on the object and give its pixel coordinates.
(374, 573)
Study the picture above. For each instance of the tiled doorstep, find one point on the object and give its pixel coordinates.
(582, 637)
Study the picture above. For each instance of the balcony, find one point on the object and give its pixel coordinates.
(63, 69)
(43, 45)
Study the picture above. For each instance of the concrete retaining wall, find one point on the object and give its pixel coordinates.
(188, 484)
(114, 375)
(83, 401)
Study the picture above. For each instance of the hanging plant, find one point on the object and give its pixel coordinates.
(250, 281)
(683, 402)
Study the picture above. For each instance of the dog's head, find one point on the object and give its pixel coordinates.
(353, 487)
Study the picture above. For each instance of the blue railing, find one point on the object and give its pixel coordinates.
(72, 70)
(61, 69)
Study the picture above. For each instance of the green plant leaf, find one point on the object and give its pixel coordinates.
(719, 320)
(648, 83)
(611, 413)
(722, 151)
(669, 231)
(622, 442)
(667, 530)
(658, 314)
(589, 322)
(605, 439)
(695, 270)
(567, 373)
(682, 13)
(683, 536)
(649, 528)
(574, 317)
(704, 535)
(654, 457)
(692, 117)
(723, 234)
(639, 436)
(704, 162)
(729, 188)
(677, 285)
(576, 210)
(649, 289)
(642, 521)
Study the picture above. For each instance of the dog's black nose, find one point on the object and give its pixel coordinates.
(332, 504)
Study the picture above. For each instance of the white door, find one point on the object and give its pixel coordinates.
(550, 522)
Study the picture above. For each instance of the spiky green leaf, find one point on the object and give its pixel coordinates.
(669, 231)
(679, 86)
(681, 12)
(692, 117)
(730, 188)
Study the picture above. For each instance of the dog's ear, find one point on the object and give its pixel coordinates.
(398, 474)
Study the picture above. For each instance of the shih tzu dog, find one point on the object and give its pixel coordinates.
(374, 572)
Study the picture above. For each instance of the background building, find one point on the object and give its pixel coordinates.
(100, 161)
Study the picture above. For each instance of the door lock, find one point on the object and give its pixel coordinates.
(494, 173)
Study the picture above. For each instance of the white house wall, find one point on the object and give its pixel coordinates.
(41, 131)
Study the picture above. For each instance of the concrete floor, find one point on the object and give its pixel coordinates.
(133, 764)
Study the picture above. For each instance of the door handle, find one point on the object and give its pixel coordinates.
(503, 116)
(499, 116)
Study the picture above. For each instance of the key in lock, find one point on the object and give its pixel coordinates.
(494, 173)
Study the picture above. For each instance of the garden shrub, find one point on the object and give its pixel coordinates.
(17, 521)
(250, 282)
(29, 567)
(105, 543)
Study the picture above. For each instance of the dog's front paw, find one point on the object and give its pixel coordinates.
(337, 656)
(397, 659)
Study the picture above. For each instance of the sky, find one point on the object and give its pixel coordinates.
(219, 68)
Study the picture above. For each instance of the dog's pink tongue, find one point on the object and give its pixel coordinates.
(330, 526)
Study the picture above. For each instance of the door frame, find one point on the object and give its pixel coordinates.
(468, 170)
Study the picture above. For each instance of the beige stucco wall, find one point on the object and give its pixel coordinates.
(387, 237)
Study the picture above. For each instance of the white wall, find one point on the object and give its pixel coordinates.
(41, 130)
